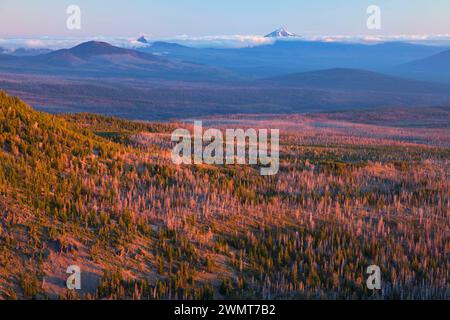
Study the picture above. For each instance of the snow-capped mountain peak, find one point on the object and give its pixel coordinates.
(142, 39)
(280, 33)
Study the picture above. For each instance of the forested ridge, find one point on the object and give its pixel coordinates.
(102, 193)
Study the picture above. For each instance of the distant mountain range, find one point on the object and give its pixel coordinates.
(171, 60)
(96, 58)
(283, 57)
(167, 80)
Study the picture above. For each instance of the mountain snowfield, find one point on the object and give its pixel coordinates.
(281, 33)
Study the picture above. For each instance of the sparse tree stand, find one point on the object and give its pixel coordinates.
(104, 193)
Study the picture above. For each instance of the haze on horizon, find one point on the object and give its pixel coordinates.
(158, 18)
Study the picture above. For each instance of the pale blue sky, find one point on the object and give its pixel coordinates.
(166, 18)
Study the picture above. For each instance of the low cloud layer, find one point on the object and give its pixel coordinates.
(231, 41)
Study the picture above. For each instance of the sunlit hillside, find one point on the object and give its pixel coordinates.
(103, 194)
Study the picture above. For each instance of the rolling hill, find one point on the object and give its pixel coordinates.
(358, 80)
(434, 68)
(161, 83)
(290, 56)
(156, 99)
(95, 58)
